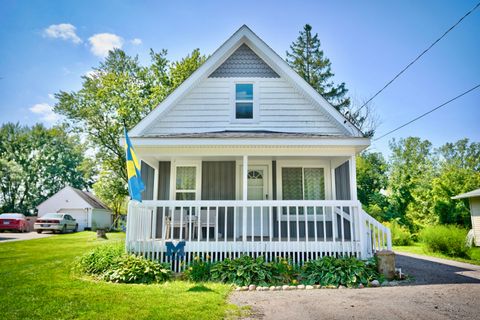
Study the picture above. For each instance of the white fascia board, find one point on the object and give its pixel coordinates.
(282, 67)
(364, 142)
(244, 34)
(209, 66)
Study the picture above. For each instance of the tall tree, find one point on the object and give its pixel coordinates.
(307, 58)
(372, 182)
(411, 172)
(459, 172)
(112, 192)
(121, 91)
(36, 163)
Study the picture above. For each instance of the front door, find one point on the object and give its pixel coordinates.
(257, 179)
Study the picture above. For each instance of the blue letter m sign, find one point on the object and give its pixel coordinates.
(177, 251)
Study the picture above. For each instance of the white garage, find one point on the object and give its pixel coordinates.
(89, 212)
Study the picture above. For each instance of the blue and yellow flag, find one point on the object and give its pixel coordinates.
(135, 183)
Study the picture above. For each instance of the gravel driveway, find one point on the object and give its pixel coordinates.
(442, 289)
(11, 236)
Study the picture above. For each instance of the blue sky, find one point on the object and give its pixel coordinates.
(367, 41)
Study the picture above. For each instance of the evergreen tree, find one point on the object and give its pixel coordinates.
(308, 60)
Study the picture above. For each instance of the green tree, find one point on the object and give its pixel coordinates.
(112, 192)
(307, 58)
(371, 182)
(411, 172)
(121, 92)
(42, 161)
(459, 172)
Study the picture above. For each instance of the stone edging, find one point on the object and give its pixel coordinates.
(373, 284)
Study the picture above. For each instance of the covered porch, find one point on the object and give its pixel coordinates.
(301, 206)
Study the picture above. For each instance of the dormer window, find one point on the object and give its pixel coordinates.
(244, 101)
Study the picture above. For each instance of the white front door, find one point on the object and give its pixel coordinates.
(257, 179)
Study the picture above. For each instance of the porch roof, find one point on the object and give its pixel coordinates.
(248, 134)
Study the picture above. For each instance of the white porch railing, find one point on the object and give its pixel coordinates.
(299, 230)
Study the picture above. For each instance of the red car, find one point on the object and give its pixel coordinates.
(13, 222)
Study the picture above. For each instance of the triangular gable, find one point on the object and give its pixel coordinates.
(244, 63)
(269, 57)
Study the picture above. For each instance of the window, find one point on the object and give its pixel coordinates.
(303, 184)
(244, 101)
(186, 183)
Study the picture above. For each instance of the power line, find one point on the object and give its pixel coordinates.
(428, 112)
(419, 56)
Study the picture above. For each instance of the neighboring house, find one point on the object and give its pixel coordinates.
(245, 157)
(474, 199)
(84, 207)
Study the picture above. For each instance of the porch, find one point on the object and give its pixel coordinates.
(298, 207)
(299, 230)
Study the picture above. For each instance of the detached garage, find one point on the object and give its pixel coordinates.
(83, 206)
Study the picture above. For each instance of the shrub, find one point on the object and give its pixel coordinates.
(401, 236)
(330, 271)
(111, 263)
(449, 240)
(100, 259)
(244, 271)
(137, 269)
(198, 270)
(284, 271)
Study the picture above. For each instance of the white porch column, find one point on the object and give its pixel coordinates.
(245, 178)
(155, 182)
(353, 177)
(244, 196)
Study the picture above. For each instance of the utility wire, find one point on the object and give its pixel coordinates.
(419, 56)
(428, 112)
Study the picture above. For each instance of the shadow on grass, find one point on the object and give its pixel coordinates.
(200, 288)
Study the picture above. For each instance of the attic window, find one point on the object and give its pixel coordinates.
(244, 101)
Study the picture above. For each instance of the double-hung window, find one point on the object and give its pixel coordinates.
(186, 183)
(243, 101)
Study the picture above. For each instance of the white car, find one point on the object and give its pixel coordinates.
(56, 222)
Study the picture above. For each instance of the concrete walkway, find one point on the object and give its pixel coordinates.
(442, 289)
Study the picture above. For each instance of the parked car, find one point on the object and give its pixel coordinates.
(13, 222)
(56, 222)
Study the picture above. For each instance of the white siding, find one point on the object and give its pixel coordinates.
(101, 219)
(80, 216)
(475, 213)
(64, 199)
(209, 107)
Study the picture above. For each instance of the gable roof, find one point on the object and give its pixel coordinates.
(90, 199)
(246, 36)
(471, 194)
(86, 196)
(244, 63)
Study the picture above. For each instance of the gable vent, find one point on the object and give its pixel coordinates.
(244, 63)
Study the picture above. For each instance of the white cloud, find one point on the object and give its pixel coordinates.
(136, 41)
(51, 96)
(65, 31)
(103, 42)
(45, 111)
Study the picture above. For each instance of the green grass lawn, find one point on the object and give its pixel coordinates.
(420, 248)
(37, 282)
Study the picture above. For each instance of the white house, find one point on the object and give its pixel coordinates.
(84, 207)
(474, 200)
(245, 157)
